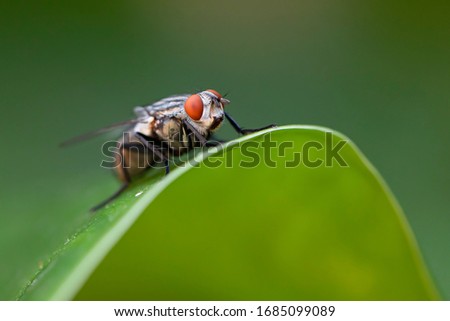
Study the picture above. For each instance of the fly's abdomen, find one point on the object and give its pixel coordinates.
(139, 151)
(133, 158)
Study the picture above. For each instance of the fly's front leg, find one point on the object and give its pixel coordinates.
(243, 131)
(207, 143)
(150, 145)
(189, 128)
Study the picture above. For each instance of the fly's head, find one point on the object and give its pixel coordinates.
(204, 110)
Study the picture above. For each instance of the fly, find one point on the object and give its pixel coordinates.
(170, 126)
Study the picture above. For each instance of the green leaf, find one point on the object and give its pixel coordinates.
(229, 232)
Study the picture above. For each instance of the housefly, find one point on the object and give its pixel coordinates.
(169, 127)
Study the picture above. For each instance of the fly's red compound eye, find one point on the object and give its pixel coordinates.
(194, 107)
(215, 93)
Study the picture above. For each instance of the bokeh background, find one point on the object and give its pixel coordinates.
(377, 71)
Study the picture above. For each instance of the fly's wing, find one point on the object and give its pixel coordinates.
(142, 113)
(124, 124)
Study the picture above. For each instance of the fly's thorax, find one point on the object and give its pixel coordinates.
(170, 131)
(146, 126)
(168, 128)
(165, 128)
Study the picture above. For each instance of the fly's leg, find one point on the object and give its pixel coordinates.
(166, 166)
(243, 131)
(190, 128)
(186, 131)
(207, 143)
(150, 145)
(111, 198)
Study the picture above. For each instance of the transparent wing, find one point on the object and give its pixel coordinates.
(141, 113)
(95, 133)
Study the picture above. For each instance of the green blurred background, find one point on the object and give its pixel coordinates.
(379, 72)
